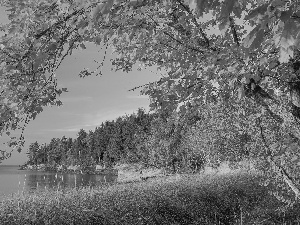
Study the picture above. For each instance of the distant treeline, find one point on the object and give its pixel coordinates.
(149, 138)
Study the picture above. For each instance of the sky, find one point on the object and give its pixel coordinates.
(88, 102)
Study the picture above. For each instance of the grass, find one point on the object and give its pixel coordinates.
(191, 199)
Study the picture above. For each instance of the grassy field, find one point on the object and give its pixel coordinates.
(187, 199)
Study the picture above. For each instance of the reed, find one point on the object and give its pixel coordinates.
(192, 199)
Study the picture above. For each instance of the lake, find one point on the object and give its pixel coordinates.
(13, 180)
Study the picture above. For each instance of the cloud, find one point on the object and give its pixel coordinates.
(76, 128)
(137, 96)
(77, 99)
(66, 129)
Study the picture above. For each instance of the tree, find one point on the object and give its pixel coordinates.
(91, 146)
(253, 57)
(33, 153)
(101, 141)
(64, 146)
(55, 152)
(43, 156)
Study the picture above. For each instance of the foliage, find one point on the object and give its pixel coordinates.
(34, 153)
(153, 139)
(112, 142)
(208, 52)
(233, 199)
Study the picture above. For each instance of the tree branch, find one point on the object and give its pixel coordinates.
(176, 40)
(58, 23)
(186, 8)
(280, 170)
(233, 31)
(181, 43)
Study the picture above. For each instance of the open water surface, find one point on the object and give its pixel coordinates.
(14, 181)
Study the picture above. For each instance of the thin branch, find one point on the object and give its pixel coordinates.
(178, 41)
(68, 51)
(103, 60)
(269, 151)
(186, 8)
(58, 23)
(143, 85)
(162, 43)
(193, 85)
(181, 43)
(273, 115)
(289, 181)
(233, 31)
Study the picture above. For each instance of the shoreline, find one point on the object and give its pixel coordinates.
(68, 170)
(176, 199)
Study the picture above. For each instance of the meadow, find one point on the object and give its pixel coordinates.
(231, 198)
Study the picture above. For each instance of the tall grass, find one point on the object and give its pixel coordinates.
(192, 199)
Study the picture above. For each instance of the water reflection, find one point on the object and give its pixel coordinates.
(16, 181)
(58, 180)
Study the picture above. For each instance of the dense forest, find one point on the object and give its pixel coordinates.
(153, 139)
(158, 139)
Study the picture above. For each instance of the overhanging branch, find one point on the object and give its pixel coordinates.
(233, 31)
(186, 8)
(280, 170)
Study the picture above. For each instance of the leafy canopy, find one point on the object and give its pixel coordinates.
(205, 49)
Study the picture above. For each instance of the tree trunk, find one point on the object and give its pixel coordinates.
(281, 114)
(289, 123)
(281, 171)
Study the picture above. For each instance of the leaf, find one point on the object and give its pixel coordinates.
(33, 115)
(63, 7)
(106, 7)
(40, 60)
(84, 73)
(250, 37)
(287, 40)
(223, 26)
(263, 61)
(58, 103)
(276, 3)
(288, 36)
(172, 97)
(82, 46)
(19, 149)
(52, 46)
(202, 6)
(286, 15)
(257, 13)
(39, 109)
(254, 39)
(258, 40)
(101, 9)
(273, 64)
(98, 40)
(295, 158)
(227, 8)
(285, 54)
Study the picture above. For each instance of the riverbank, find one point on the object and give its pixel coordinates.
(125, 172)
(222, 198)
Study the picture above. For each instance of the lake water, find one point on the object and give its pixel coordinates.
(13, 180)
